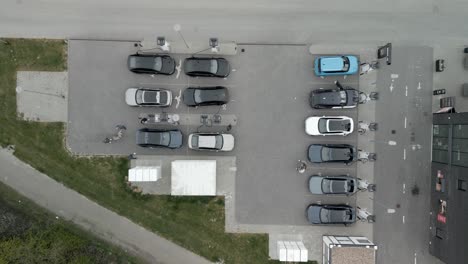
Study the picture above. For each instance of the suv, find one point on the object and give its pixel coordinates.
(198, 96)
(336, 65)
(329, 125)
(151, 64)
(340, 97)
(337, 153)
(333, 184)
(207, 67)
(331, 214)
(154, 138)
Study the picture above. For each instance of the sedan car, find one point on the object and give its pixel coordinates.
(151, 64)
(334, 98)
(333, 184)
(197, 96)
(329, 125)
(325, 153)
(207, 67)
(336, 65)
(211, 141)
(331, 214)
(154, 138)
(148, 97)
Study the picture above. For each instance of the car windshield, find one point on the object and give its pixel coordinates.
(219, 142)
(326, 185)
(322, 125)
(326, 153)
(343, 97)
(139, 96)
(214, 66)
(158, 63)
(195, 141)
(324, 216)
(345, 63)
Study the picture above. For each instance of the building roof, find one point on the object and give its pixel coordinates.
(193, 177)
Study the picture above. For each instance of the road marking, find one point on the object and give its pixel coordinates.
(403, 219)
(419, 85)
(405, 121)
(406, 90)
(392, 143)
(415, 260)
(177, 98)
(178, 68)
(394, 76)
(390, 211)
(404, 188)
(391, 87)
(404, 153)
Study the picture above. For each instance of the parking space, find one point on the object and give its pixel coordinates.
(269, 88)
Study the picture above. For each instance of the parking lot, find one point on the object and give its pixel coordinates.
(269, 88)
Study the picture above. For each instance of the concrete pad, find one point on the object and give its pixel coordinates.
(42, 96)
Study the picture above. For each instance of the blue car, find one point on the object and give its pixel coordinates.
(336, 65)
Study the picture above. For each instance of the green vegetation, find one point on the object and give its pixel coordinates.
(30, 234)
(194, 223)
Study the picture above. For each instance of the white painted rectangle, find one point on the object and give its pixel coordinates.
(281, 251)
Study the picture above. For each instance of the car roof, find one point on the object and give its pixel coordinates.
(207, 141)
(331, 63)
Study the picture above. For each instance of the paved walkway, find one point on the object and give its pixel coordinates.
(104, 223)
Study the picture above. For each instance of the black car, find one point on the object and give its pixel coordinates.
(341, 153)
(342, 184)
(339, 97)
(151, 64)
(197, 96)
(154, 138)
(207, 67)
(331, 214)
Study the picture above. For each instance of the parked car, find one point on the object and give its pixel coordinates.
(151, 64)
(339, 97)
(331, 214)
(197, 96)
(207, 67)
(336, 65)
(342, 184)
(211, 141)
(325, 153)
(154, 138)
(329, 125)
(148, 97)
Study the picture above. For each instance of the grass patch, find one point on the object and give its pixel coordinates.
(31, 234)
(194, 223)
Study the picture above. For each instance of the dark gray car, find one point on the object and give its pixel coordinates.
(334, 98)
(154, 138)
(331, 214)
(197, 96)
(207, 67)
(151, 64)
(340, 153)
(332, 184)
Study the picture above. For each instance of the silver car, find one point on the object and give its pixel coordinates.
(148, 97)
(343, 184)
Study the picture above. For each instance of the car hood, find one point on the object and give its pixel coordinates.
(315, 185)
(130, 98)
(168, 65)
(223, 68)
(228, 142)
(311, 126)
(176, 139)
(188, 97)
(313, 214)
(315, 153)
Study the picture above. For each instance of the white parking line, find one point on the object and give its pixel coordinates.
(419, 85)
(404, 188)
(405, 121)
(415, 260)
(406, 90)
(178, 68)
(404, 154)
(403, 219)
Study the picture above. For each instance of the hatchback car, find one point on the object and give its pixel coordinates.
(148, 97)
(198, 96)
(338, 153)
(207, 67)
(336, 65)
(333, 184)
(334, 98)
(211, 141)
(154, 138)
(329, 125)
(151, 64)
(331, 214)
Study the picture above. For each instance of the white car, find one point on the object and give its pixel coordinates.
(148, 97)
(211, 141)
(329, 125)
